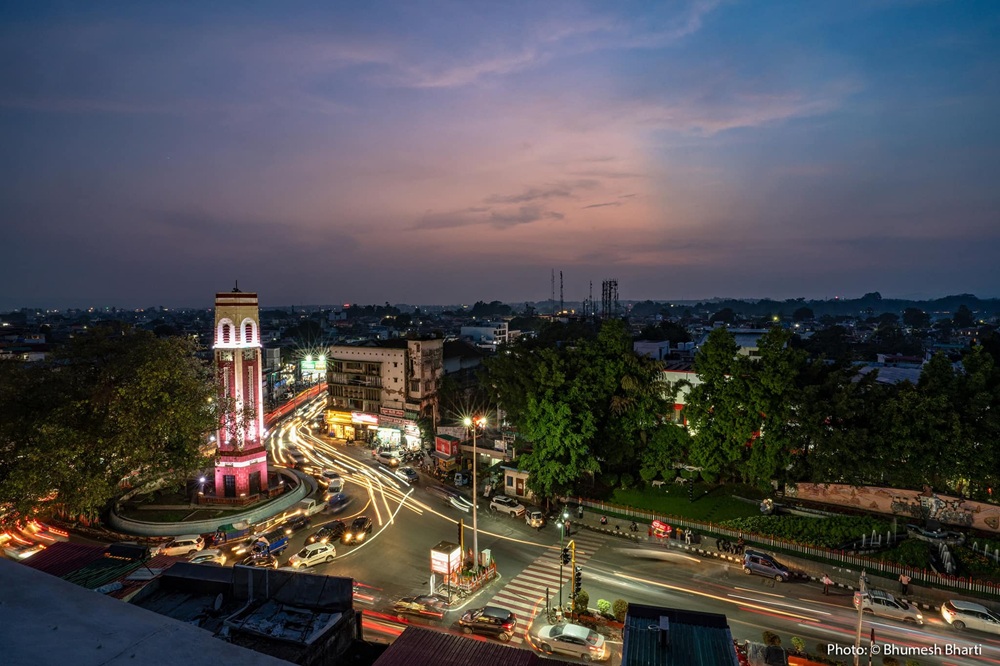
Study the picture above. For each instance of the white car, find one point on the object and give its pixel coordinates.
(333, 480)
(389, 458)
(188, 544)
(23, 551)
(966, 614)
(314, 553)
(208, 556)
(574, 640)
(407, 474)
(506, 505)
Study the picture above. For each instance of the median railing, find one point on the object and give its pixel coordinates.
(869, 564)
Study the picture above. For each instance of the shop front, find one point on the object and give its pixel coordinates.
(398, 429)
(352, 426)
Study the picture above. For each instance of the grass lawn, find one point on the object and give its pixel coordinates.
(711, 503)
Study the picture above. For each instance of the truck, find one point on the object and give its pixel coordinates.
(273, 542)
(310, 506)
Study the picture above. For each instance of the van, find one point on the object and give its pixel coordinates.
(762, 564)
(883, 604)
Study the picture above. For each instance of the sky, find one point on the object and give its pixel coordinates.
(154, 153)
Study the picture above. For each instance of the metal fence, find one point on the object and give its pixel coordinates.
(872, 565)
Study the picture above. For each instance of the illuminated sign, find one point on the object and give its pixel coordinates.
(446, 558)
(361, 417)
(389, 411)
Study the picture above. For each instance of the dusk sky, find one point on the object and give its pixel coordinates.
(447, 152)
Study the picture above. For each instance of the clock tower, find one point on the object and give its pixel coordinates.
(241, 462)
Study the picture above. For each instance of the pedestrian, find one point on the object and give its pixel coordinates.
(827, 582)
(633, 527)
(604, 520)
(687, 537)
(579, 512)
(904, 583)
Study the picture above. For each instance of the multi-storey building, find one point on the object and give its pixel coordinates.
(488, 336)
(378, 390)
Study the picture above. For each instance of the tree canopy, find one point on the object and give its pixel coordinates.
(111, 407)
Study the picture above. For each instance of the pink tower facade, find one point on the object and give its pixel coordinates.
(241, 464)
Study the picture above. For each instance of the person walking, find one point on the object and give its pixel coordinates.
(633, 527)
(579, 512)
(904, 583)
(827, 582)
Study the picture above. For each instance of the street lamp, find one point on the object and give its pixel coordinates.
(474, 423)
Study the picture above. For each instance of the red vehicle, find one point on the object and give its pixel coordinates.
(661, 530)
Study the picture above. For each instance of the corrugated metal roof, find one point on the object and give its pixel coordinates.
(423, 647)
(693, 639)
(89, 565)
(63, 558)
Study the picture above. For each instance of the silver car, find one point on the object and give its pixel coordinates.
(883, 604)
(574, 640)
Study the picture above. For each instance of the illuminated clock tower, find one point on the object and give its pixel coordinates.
(241, 465)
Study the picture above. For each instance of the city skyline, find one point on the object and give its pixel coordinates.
(455, 152)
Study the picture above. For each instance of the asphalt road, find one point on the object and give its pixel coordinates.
(409, 520)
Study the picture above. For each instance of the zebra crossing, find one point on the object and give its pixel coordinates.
(524, 594)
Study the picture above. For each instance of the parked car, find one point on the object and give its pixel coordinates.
(389, 458)
(490, 621)
(188, 544)
(883, 604)
(765, 565)
(360, 528)
(504, 504)
(535, 519)
(265, 561)
(407, 474)
(329, 532)
(314, 553)
(574, 640)
(425, 605)
(962, 614)
(208, 556)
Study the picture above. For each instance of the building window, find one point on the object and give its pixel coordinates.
(510, 481)
(225, 334)
(248, 333)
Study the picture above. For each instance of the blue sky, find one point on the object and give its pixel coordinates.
(457, 151)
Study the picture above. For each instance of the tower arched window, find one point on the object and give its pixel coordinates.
(248, 333)
(225, 334)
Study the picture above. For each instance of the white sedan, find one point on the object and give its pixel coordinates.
(314, 553)
(208, 556)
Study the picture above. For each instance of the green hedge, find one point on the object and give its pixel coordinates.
(822, 532)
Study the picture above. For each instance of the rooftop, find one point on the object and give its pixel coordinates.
(656, 636)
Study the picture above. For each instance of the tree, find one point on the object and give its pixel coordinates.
(725, 315)
(113, 406)
(963, 317)
(803, 314)
(916, 318)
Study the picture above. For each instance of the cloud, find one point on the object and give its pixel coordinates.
(602, 205)
(499, 219)
(556, 190)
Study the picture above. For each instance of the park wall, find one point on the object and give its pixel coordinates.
(912, 505)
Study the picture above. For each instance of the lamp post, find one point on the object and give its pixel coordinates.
(474, 423)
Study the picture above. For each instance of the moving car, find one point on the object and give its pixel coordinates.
(574, 640)
(535, 519)
(314, 553)
(883, 604)
(762, 564)
(962, 614)
(329, 532)
(389, 458)
(333, 480)
(337, 502)
(360, 528)
(208, 556)
(490, 621)
(296, 523)
(504, 504)
(425, 605)
(265, 561)
(188, 544)
(23, 551)
(407, 474)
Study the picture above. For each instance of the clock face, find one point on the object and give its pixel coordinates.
(226, 356)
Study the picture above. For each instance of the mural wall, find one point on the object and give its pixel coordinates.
(911, 505)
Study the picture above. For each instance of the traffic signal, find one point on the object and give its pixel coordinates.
(577, 581)
(565, 555)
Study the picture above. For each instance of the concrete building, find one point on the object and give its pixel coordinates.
(378, 390)
(488, 336)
